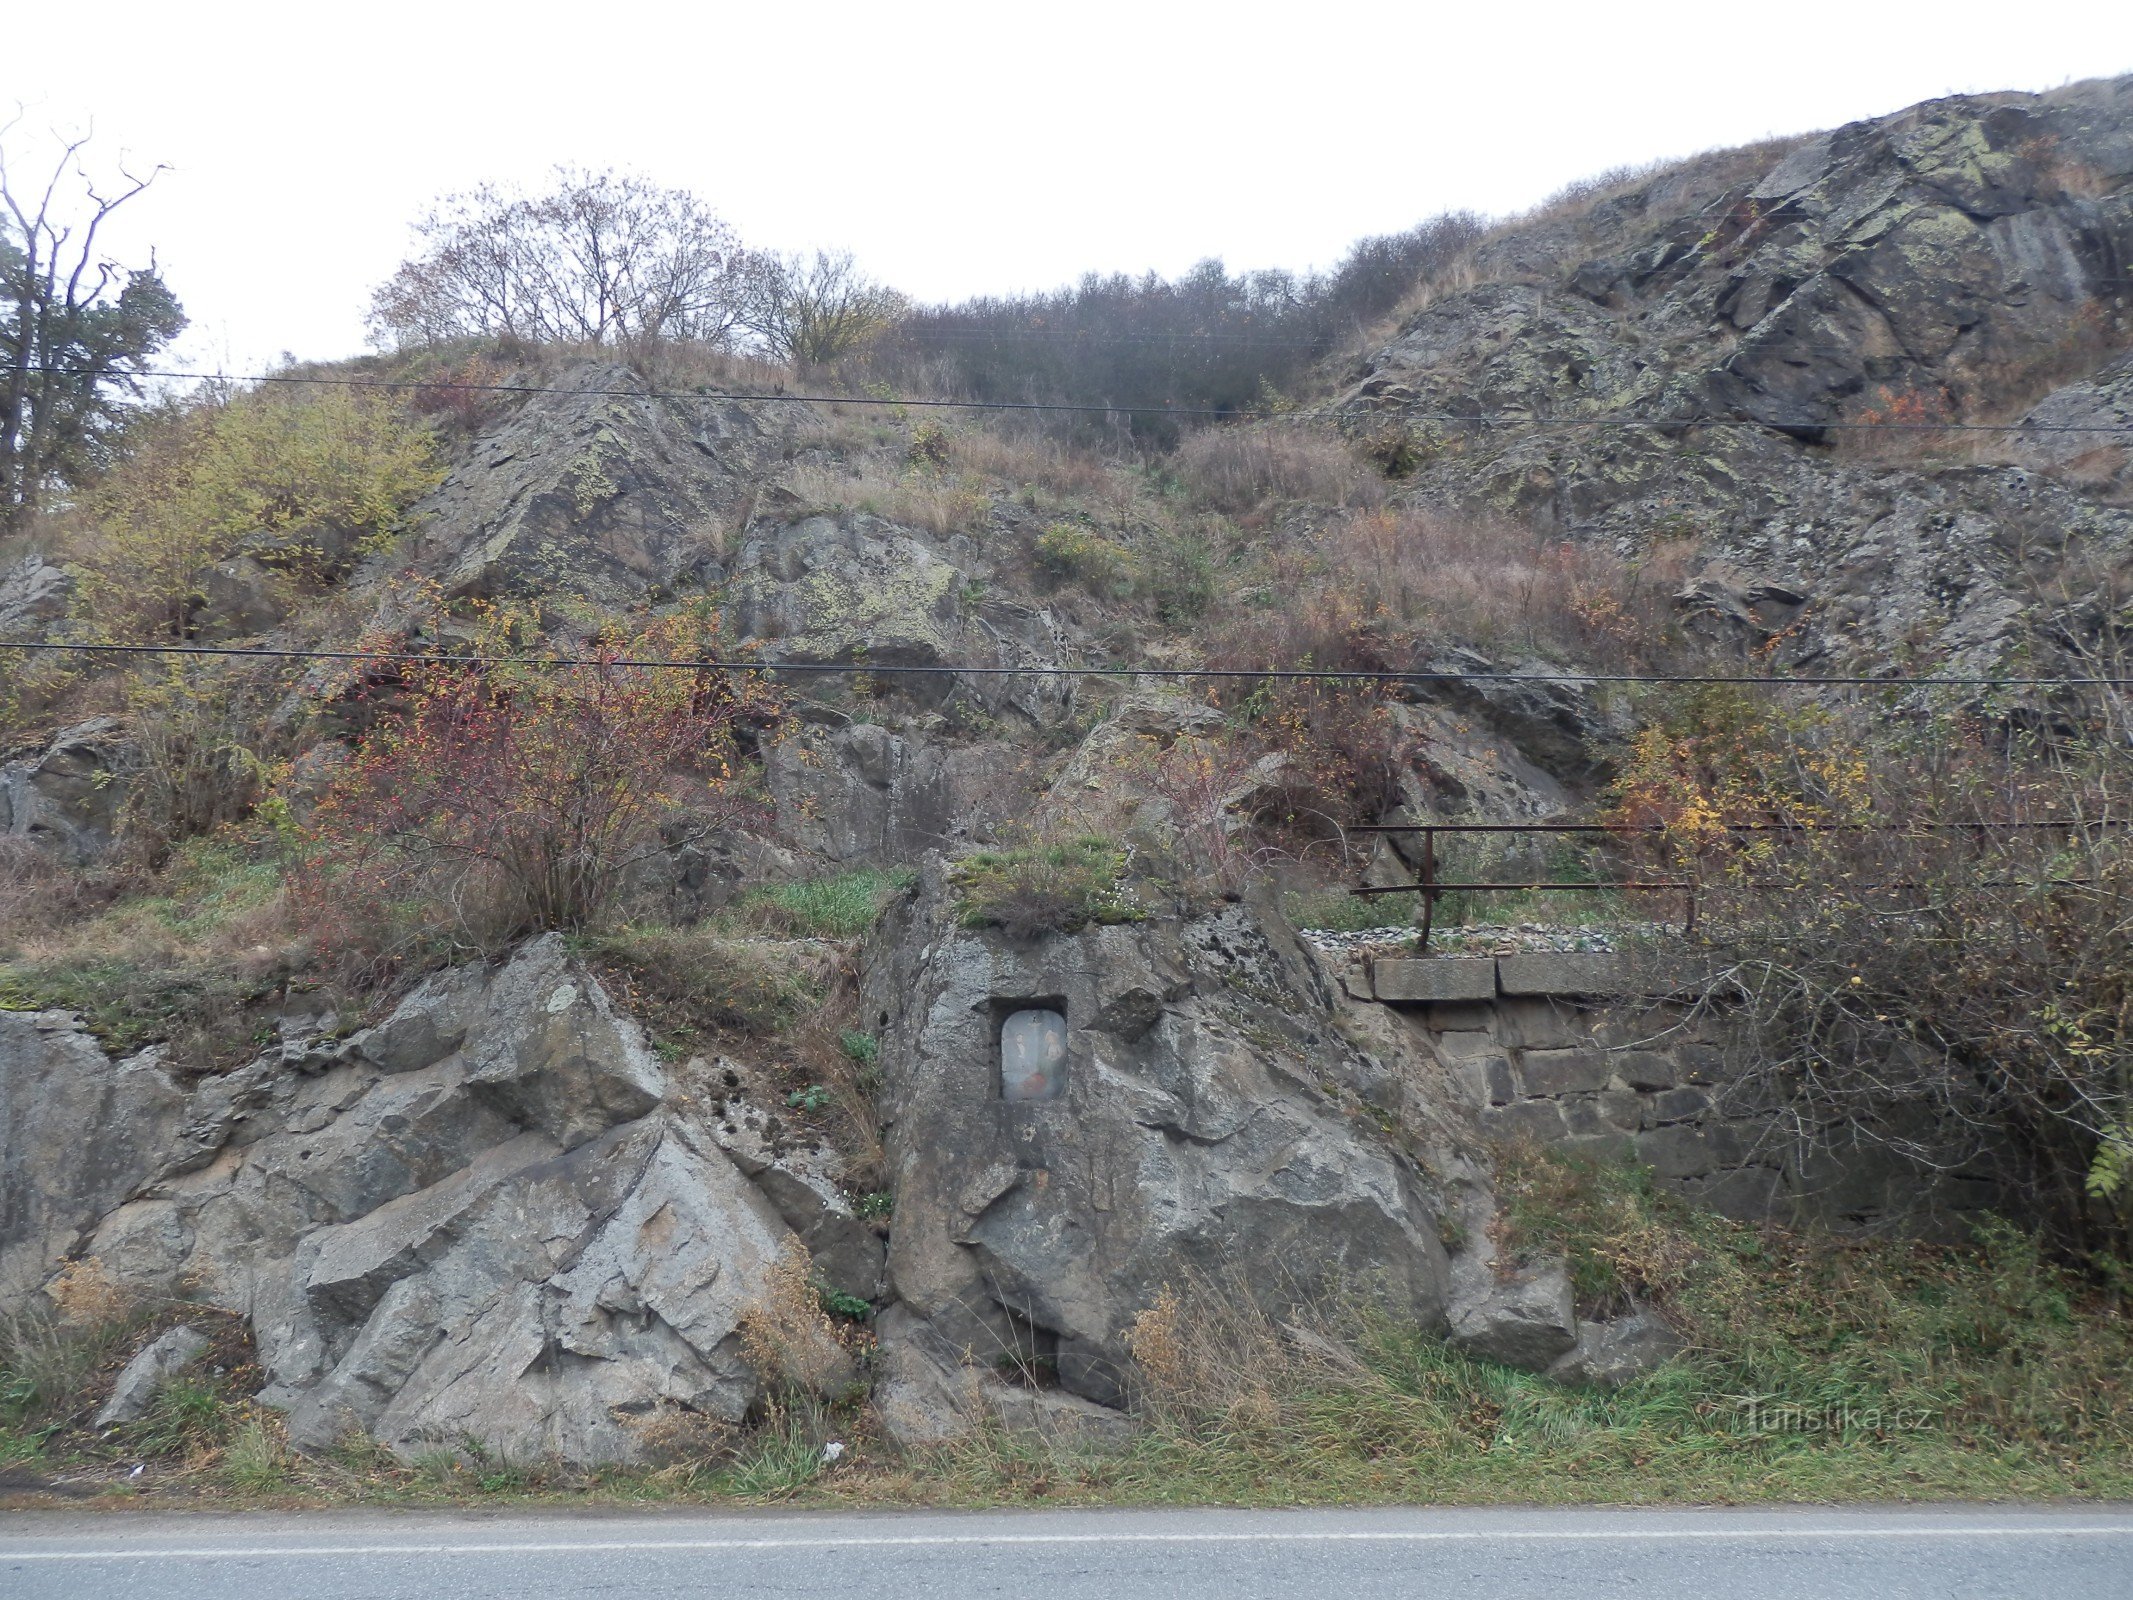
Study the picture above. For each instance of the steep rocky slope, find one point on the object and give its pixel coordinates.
(1967, 261)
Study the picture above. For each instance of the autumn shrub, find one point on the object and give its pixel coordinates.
(521, 794)
(1242, 469)
(1218, 790)
(208, 747)
(1919, 926)
(466, 396)
(1337, 730)
(303, 480)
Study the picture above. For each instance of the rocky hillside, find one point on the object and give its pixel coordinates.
(545, 1196)
(1965, 262)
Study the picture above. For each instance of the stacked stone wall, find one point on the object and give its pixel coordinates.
(1552, 1047)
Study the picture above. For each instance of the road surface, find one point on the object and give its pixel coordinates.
(1969, 1552)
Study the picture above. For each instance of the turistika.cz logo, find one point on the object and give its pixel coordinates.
(1760, 1414)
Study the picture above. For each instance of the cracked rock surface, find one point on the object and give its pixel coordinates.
(1204, 1128)
(485, 1219)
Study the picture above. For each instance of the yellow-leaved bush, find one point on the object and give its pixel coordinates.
(300, 480)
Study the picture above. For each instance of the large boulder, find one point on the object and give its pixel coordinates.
(157, 1362)
(1618, 1351)
(1523, 1317)
(1197, 1137)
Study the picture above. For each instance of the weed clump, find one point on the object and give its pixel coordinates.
(840, 907)
(1044, 888)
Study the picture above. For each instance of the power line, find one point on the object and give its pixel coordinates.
(1233, 674)
(1226, 413)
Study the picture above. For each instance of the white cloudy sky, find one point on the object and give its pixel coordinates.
(957, 147)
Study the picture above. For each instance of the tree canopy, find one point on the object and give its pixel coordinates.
(76, 328)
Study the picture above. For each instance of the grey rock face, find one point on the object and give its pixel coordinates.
(526, 1305)
(158, 1362)
(1192, 1137)
(600, 490)
(80, 1134)
(1524, 1319)
(1912, 265)
(33, 593)
(859, 793)
(847, 588)
(1610, 1354)
(66, 800)
(481, 1220)
(852, 587)
(927, 1394)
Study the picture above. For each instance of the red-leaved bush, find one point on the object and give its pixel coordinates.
(519, 795)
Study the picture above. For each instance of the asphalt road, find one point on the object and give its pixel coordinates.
(1967, 1552)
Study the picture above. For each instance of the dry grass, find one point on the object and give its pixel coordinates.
(670, 364)
(1207, 1351)
(913, 497)
(86, 1295)
(1498, 586)
(1018, 460)
(38, 895)
(787, 1337)
(180, 960)
(1238, 470)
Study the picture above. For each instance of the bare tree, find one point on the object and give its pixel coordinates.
(814, 309)
(596, 259)
(76, 328)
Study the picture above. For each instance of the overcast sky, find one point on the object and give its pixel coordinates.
(957, 148)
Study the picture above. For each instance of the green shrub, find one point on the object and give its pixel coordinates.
(186, 1415)
(1046, 888)
(1102, 566)
(1178, 574)
(1338, 911)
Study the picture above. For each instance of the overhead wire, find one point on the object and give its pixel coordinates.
(945, 669)
(1226, 413)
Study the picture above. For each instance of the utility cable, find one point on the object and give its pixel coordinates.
(935, 669)
(1227, 413)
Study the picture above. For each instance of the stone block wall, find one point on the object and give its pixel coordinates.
(1548, 1047)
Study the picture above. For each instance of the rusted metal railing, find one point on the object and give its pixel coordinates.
(1432, 888)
